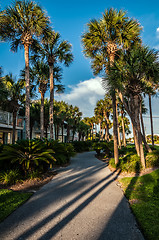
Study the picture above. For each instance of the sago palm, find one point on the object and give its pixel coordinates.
(21, 24)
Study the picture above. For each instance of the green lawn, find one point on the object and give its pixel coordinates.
(10, 200)
(143, 193)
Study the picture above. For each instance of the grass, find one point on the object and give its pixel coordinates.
(10, 200)
(143, 194)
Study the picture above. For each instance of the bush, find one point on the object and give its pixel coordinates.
(28, 155)
(10, 177)
(127, 164)
(1, 147)
(34, 174)
(112, 163)
(62, 151)
(107, 148)
(97, 146)
(152, 159)
(133, 164)
(81, 146)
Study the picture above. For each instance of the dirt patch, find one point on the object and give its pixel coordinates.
(31, 185)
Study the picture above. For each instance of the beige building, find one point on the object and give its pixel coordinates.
(6, 127)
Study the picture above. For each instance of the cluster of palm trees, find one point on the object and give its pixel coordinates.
(103, 115)
(25, 24)
(65, 117)
(130, 69)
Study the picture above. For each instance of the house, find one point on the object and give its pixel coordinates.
(6, 127)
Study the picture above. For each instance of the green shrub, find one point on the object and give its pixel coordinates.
(10, 177)
(28, 155)
(62, 151)
(97, 146)
(34, 174)
(133, 164)
(81, 146)
(112, 163)
(152, 159)
(1, 147)
(107, 148)
(127, 164)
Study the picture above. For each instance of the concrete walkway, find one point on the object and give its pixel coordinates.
(82, 202)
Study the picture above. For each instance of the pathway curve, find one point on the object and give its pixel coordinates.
(82, 202)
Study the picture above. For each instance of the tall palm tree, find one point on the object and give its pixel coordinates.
(55, 50)
(15, 97)
(22, 23)
(114, 31)
(40, 71)
(132, 74)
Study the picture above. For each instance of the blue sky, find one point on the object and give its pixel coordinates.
(69, 18)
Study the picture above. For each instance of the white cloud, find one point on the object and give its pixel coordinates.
(157, 32)
(84, 95)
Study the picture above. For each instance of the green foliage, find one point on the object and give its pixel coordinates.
(1, 147)
(34, 174)
(10, 200)
(145, 190)
(97, 146)
(112, 163)
(28, 154)
(10, 177)
(129, 161)
(130, 164)
(108, 148)
(81, 146)
(61, 151)
(152, 159)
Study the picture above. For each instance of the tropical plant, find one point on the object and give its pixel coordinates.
(29, 155)
(54, 50)
(132, 79)
(22, 24)
(10, 176)
(103, 39)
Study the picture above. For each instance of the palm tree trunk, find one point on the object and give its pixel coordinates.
(135, 138)
(119, 140)
(14, 126)
(143, 131)
(115, 131)
(150, 107)
(123, 128)
(42, 116)
(27, 84)
(51, 102)
(137, 111)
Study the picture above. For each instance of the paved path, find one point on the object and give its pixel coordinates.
(82, 202)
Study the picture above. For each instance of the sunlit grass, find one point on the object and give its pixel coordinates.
(143, 194)
(10, 200)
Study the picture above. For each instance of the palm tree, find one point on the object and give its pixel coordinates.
(55, 50)
(15, 97)
(22, 23)
(132, 74)
(114, 31)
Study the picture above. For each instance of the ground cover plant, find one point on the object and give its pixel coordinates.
(143, 195)
(10, 200)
